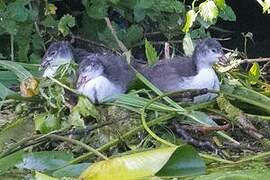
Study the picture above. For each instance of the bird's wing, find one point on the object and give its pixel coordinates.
(116, 69)
(80, 54)
(167, 75)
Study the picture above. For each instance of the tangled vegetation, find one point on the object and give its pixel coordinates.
(45, 133)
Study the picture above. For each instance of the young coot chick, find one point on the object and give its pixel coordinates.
(100, 75)
(194, 72)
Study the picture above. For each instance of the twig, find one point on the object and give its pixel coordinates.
(120, 43)
(205, 129)
(125, 136)
(239, 62)
(167, 50)
(63, 85)
(12, 47)
(73, 141)
(90, 42)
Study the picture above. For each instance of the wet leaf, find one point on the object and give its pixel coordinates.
(151, 53)
(180, 161)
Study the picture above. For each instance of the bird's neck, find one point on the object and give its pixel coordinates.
(201, 62)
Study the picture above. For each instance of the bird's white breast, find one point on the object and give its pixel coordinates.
(206, 78)
(100, 88)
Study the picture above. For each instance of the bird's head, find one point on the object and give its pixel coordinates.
(58, 53)
(89, 68)
(208, 52)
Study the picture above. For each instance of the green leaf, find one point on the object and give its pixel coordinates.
(183, 162)
(49, 21)
(23, 40)
(17, 11)
(190, 18)
(45, 160)
(220, 3)
(5, 92)
(41, 176)
(71, 170)
(208, 10)
(66, 22)
(139, 14)
(85, 108)
(202, 118)
(247, 95)
(98, 9)
(188, 45)
(227, 14)
(16, 68)
(250, 174)
(22, 126)
(151, 53)
(131, 36)
(170, 6)
(179, 161)
(10, 161)
(46, 122)
(254, 73)
(198, 33)
(10, 26)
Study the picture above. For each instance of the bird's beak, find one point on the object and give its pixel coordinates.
(223, 60)
(44, 64)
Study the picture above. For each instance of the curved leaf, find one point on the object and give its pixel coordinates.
(247, 95)
(179, 161)
(20, 71)
(190, 18)
(241, 175)
(45, 160)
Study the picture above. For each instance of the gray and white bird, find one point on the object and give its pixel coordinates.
(103, 75)
(100, 76)
(58, 53)
(194, 72)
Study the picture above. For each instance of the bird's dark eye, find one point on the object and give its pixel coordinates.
(214, 50)
(52, 53)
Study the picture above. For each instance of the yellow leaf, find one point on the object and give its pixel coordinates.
(50, 9)
(29, 87)
(254, 73)
(132, 166)
(190, 18)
